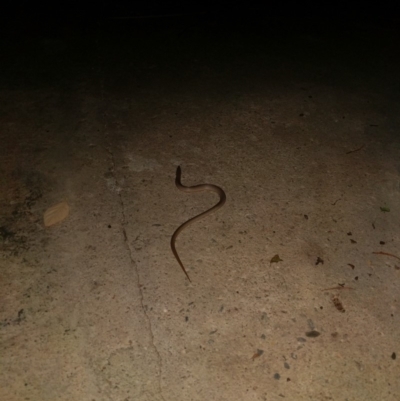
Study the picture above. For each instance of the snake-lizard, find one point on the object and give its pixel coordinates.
(194, 188)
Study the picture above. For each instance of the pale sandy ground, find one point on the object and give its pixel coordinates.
(298, 124)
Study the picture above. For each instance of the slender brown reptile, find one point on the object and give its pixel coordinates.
(194, 188)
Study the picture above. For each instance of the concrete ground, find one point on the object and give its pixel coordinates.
(295, 281)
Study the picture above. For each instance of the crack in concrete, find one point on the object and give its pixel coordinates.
(130, 253)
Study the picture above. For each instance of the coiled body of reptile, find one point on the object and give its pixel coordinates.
(194, 188)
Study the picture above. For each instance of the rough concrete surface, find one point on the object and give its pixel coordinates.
(297, 122)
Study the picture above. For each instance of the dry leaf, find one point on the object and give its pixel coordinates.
(313, 333)
(276, 259)
(55, 214)
(257, 354)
